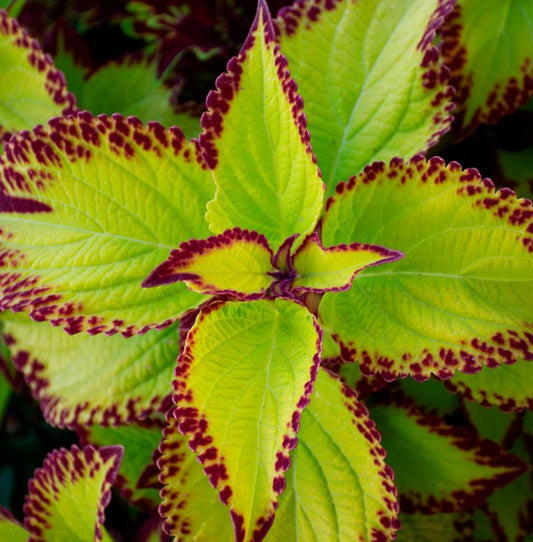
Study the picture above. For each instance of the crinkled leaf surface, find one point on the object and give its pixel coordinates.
(256, 143)
(137, 477)
(488, 47)
(235, 262)
(89, 207)
(370, 77)
(241, 383)
(83, 380)
(338, 487)
(187, 493)
(10, 529)
(501, 386)
(461, 298)
(31, 89)
(440, 467)
(333, 268)
(131, 87)
(67, 496)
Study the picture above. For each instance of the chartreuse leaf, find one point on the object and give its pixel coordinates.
(83, 380)
(235, 262)
(67, 496)
(338, 487)
(10, 529)
(501, 386)
(256, 143)
(461, 298)
(488, 48)
(131, 87)
(137, 477)
(31, 89)
(187, 494)
(370, 76)
(333, 269)
(241, 383)
(440, 467)
(89, 207)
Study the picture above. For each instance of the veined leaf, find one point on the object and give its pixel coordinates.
(236, 262)
(32, 90)
(84, 380)
(338, 487)
(463, 295)
(256, 143)
(89, 207)
(187, 493)
(319, 268)
(241, 383)
(370, 76)
(67, 496)
(501, 386)
(488, 48)
(137, 478)
(10, 529)
(440, 467)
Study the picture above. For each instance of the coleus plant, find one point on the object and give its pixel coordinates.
(240, 252)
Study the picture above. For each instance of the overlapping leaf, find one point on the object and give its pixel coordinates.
(84, 380)
(431, 528)
(241, 383)
(67, 496)
(440, 467)
(370, 76)
(89, 207)
(488, 48)
(518, 169)
(338, 487)
(10, 528)
(461, 298)
(256, 143)
(236, 262)
(31, 89)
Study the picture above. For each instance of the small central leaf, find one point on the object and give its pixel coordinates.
(234, 262)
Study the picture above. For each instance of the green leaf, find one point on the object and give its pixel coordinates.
(429, 528)
(338, 487)
(31, 89)
(67, 496)
(236, 262)
(501, 386)
(138, 471)
(488, 48)
(518, 169)
(370, 76)
(89, 207)
(256, 143)
(5, 393)
(440, 467)
(10, 529)
(131, 87)
(83, 380)
(461, 298)
(242, 381)
(319, 268)
(187, 494)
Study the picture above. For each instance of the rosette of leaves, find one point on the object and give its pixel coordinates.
(264, 274)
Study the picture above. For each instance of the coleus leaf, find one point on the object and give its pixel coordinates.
(333, 269)
(10, 528)
(440, 467)
(501, 386)
(67, 496)
(517, 168)
(138, 475)
(488, 50)
(431, 528)
(83, 380)
(90, 207)
(236, 262)
(256, 143)
(40, 90)
(346, 57)
(338, 486)
(241, 383)
(463, 295)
